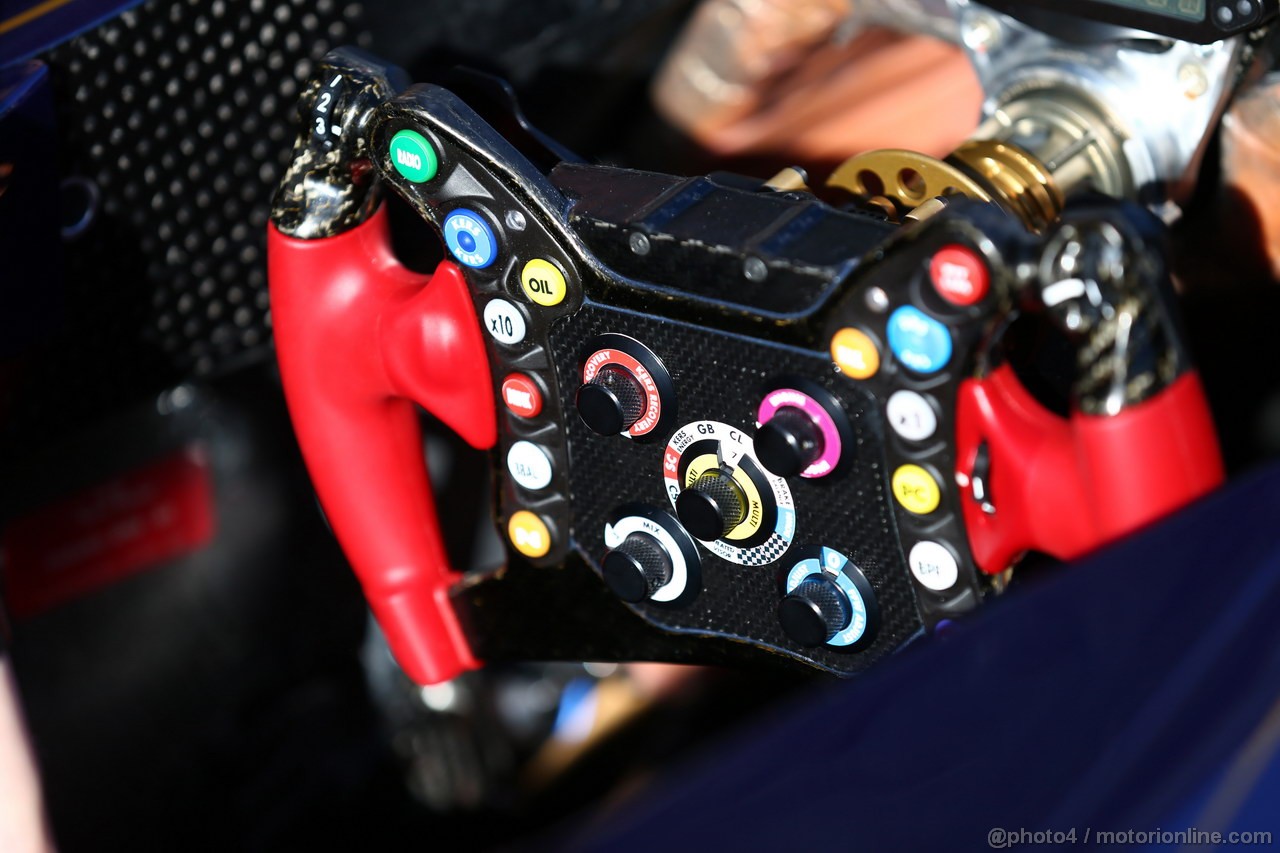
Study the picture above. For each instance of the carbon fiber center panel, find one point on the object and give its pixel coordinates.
(721, 377)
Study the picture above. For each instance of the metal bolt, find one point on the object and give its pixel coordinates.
(1193, 80)
(442, 697)
(755, 270)
(639, 243)
(982, 32)
(175, 400)
(877, 300)
(515, 220)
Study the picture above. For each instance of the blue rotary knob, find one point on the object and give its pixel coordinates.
(815, 611)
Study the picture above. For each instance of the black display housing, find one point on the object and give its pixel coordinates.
(1222, 18)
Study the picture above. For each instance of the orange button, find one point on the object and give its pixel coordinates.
(855, 353)
(529, 534)
(521, 395)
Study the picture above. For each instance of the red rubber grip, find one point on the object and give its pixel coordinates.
(1067, 486)
(360, 339)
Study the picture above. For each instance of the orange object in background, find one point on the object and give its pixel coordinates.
(785, 79)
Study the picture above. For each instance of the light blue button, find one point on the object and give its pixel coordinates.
(919, 341)
(470, 239)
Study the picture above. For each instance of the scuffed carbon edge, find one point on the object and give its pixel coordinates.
(1129, 349)
(330, 186)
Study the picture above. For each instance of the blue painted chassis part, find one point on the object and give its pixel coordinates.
(53, 27)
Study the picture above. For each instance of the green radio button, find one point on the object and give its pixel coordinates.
(413, 156)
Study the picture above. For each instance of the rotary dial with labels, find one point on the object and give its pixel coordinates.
(724, 497)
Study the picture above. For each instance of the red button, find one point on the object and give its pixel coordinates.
(959, 275)
(521, 395)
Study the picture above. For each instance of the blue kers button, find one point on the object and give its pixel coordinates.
(919, 341)
(470, 239)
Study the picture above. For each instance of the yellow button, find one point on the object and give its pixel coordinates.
(529, 534)
(916, 489)
(543, 282)
(855, 353)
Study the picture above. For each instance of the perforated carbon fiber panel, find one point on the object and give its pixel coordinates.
(176, 118)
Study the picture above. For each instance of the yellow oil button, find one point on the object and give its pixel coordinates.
(543, 282)
(855, 353)
(916, 489)
(529, 534)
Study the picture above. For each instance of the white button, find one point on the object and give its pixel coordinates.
(934, 566)
(504, 321)
(529, 465)
(911, 416)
